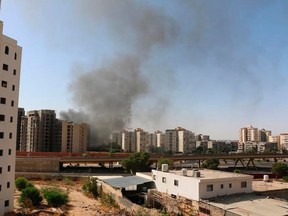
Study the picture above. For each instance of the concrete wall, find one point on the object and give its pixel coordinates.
(37, 165)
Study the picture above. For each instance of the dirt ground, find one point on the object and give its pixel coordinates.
(79, 204)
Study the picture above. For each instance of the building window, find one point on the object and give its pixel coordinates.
(163, 179)
(154, 177)
(9, 152)
(204, 210)
(9, 168)
(1, 152)
(0, 170)
(15, 56)
(2, 100)
(209, 188)
(2, 117)
(6, 204)
(5, 67)
(11, 118)
(243, 184)
(222, 186)
(12, 103)
(6, 50)
(176, 182)
(1, 135)
(14, 72)
(8, 184)
(10, 135)
(13, 87)
(230, 185)
(0, 187)
(4, 84)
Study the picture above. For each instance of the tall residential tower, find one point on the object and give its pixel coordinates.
(10, 62)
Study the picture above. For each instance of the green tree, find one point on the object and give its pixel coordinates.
(30, 195)
(55, 196)
(137, 162)
(212, 163)
(279, 168)
(164, 161)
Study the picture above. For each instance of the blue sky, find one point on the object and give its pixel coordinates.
(209, 66)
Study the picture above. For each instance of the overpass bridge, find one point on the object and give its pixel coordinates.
(46, 163)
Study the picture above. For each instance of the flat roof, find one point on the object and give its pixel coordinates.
(124, 182)
(211, 174)
(251, 204)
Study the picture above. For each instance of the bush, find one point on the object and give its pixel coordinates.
(90, 187)
(54, 196)
(285, 178)
(21, 183)
(30, 196)
(108, 200)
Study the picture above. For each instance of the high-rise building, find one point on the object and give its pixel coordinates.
(160, 139)
(264, 135)
(128, 143)
(10, 63)
(74, 137)
(141, 140)
(248, 133)
(284, 141)
(40, 130)
(21, 113)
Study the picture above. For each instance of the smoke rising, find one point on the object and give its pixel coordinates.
(204, 54)
(107, 93)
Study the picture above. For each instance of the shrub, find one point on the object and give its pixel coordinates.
(54, 196)
(30, 196)
(108, 200)
(285, 178)
(21, 183)
(90, 187)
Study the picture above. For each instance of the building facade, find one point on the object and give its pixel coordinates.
(40, 130)
(21, 113)
(10, 61)
(74, 137)
(201, 184)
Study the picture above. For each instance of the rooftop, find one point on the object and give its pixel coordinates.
(211, 174)
(252, 205)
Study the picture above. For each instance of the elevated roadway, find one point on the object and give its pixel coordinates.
(29, 162)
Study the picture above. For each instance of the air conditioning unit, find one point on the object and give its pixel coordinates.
(165, 168)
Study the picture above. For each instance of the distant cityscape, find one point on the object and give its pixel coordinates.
(41, 131)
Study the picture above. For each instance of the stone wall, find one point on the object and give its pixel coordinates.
(37, 165)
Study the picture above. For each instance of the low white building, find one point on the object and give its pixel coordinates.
(201, 184)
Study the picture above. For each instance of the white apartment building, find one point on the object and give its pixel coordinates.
(284, 140)
(201, 184)
(74, 137)
(160, 139)
(141, 140)
(248, 133)
(128, 143)
(10, 62)
(186, 140)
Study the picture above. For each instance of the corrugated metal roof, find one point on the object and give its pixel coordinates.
(124, 182)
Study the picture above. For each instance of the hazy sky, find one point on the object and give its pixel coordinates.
(208, 66)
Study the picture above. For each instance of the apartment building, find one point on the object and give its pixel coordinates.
(141, 140)
(128, 143)
(283, 140)
(10, 61)
(21, 113)
(248, 133)
(160, 139)
(171, 140)
(40, 130)
(74, 137)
